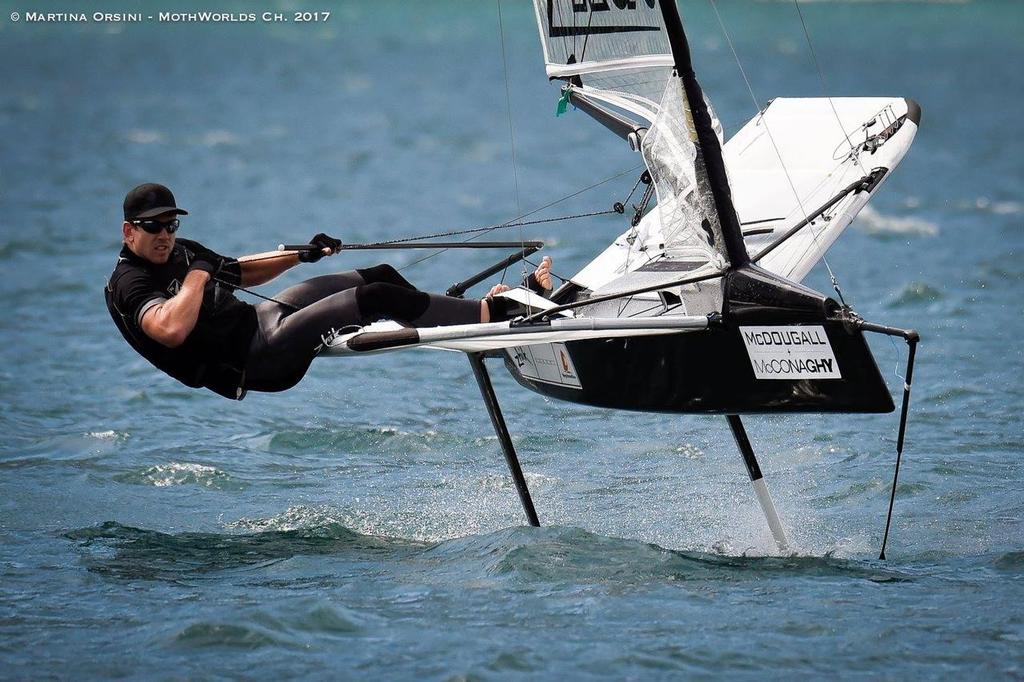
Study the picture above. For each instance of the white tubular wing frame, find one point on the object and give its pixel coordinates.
(816, 162)
(816, 153)
(475, 338)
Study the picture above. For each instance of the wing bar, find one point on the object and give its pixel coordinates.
(570, 329)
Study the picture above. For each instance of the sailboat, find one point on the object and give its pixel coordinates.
(697, 307)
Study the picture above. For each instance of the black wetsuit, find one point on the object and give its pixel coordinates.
(236, 346)
(287, 340)
(214, 354)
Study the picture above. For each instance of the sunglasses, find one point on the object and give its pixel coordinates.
(155, 226)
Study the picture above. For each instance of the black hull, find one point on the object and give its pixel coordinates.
(711, 372)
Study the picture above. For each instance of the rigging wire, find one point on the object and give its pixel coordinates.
(511, 133)
(896, 367)
(590, 19)
(824, 87)
(757, 107)
(257, 294)
(853, 149)
(633, 191)
(638, 213)
(481, 231)
(775, 147)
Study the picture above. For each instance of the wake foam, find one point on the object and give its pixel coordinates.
(873, 222)
(181, 473)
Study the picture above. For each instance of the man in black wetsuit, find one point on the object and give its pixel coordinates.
(173, 301)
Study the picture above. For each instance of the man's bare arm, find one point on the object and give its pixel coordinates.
(260, 268)
(170, 322)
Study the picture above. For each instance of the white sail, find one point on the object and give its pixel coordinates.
(619, 53)
(690, 230)
(619, 46)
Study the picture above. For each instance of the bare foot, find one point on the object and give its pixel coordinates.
(498, 289)
(543, 273)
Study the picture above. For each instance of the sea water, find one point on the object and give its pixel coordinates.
(363, 524)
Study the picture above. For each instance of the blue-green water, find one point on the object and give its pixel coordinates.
(363, 525)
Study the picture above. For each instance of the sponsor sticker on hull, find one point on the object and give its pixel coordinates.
(790, 352)
(549, 362)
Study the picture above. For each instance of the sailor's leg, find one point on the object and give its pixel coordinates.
(286, 342)
(318, 288)
(382, 300)
(384, 273)
(483, 379)
(757, 480)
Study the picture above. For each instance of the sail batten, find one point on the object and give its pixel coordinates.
(630, 105)
(589, 67)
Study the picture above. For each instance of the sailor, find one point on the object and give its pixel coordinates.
(173, 301)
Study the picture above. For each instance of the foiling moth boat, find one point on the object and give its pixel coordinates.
(696, 308)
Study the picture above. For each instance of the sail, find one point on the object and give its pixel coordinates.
(629, 54)
(689, 228)
(618, 48)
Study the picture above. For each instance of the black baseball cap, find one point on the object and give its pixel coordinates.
(150, 200)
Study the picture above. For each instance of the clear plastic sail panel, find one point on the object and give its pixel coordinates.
(690, 232)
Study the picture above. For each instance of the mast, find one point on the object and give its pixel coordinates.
(708, 148)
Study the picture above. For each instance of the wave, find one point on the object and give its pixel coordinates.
(1003, 268)
(126, 552)
(387, 438)
(294, 518)
(111, 435)
(915, 293)
(32, 247)
(142, 136)
(947, 394)
(516, 555)
(255, 628)
(986, 205)
(181, 473)
(566, 554)
(1011, 562)
(81, 450)
(391, 445)
(218, 138)
(873, 222)
(227, 635)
